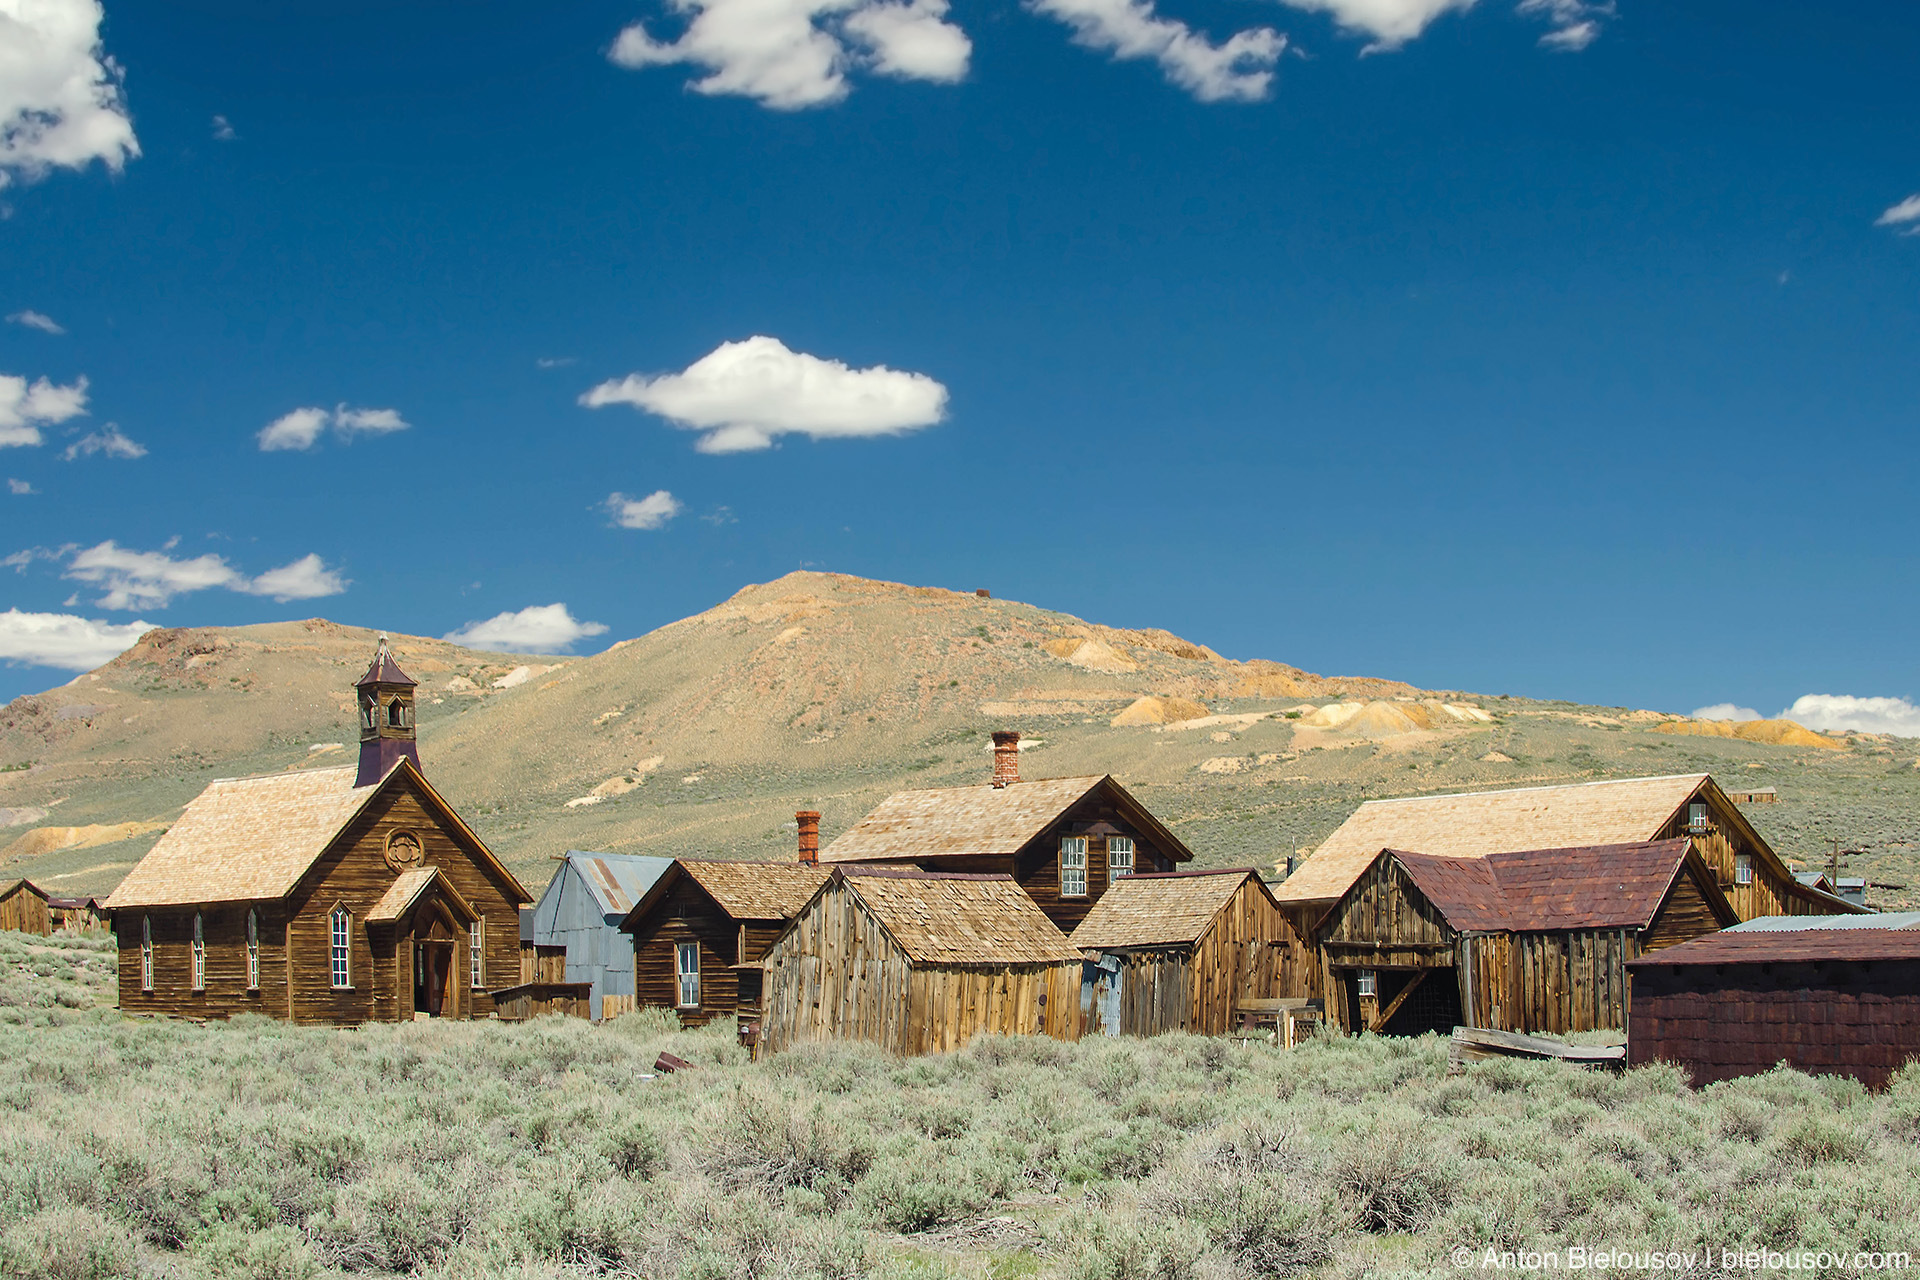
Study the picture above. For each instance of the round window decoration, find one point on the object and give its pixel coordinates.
(404, 851)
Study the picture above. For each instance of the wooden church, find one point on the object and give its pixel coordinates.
(344, 895)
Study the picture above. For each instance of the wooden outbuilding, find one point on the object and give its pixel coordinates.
(1534, 941)
(77, 915)
(699, 932)
(1836, 996)
(579, 916)
(1181, 951)
(1064, 840)
(321, 897)
(1631, 810)
(919, 962)
(23, 907)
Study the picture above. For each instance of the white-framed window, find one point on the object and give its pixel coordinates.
(253, 950)
(686, 968)
(1743, 868)
(199, 954)
(1696, 817)
(1367, 982)
(1073, 866)
(477, 954)
(337, 923)
(1119, 857)
(146, 953)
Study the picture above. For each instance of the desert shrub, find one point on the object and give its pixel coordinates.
(232, 1254)
(1391, 1180)
(1816, 1139)
(913, 1193)
(68, 1243)
(634, 1148)
(762, 1142)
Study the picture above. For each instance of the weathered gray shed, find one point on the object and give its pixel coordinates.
(581, 910)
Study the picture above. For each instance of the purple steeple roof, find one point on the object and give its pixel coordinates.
(384, 669)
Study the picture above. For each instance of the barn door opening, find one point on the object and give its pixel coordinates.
(1403, 1002)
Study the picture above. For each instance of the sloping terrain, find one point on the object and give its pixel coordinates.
(826, 691)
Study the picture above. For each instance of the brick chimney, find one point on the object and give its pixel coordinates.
(1006, 757)
(809, 823)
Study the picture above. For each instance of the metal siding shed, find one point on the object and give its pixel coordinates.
(581, 910)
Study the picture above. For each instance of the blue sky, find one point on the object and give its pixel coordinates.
(1564, 350)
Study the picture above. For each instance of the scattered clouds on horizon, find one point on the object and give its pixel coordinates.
(133, 579)
(223, 130)
(1905, 215)
(36, 320)
(109, 440)
(745, 395)
(18, 487)
(1726, 711)
(650, 512)
(1238, 70)
(61, 101)
(64, 640)
(544, 628)
(301, 429)
(25, 407)
(792, 54)
(1835, 712)
(1576, 23)
(1391, 23)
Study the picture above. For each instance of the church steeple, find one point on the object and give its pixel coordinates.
(386, 717)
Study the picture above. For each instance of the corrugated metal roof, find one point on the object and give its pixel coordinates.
(1158, 910)
(617, 880)
(1798, 924)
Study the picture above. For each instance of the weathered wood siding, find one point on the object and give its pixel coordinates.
(687, 914)
(1383, 923)
(25, 911)
(1551, 982)
(537, 999)
(1727, 835)
(1685, 914)
(838, 975)
(225, 932)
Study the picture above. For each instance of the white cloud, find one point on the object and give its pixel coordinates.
(1241, 69)
(36, 320)
(1726, 711)
(223, 130)
(554, 362)
(650, 512)
(26, 407)
(1905, 215)
(745, 394)
(151, 579)
(1391, 23)
(1576, 23)
(17, 487)
(63, 640)
(60, 99)
(302, 428)
(1835, 712)
(544, 628)
(110, 440)
(790, 54)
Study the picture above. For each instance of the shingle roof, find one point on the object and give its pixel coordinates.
(1539, 890)
(408, 889)
(1159, 910)
(755, 890)
(1769, 946)
(1475, 824)
(947, 918)
(949, 821)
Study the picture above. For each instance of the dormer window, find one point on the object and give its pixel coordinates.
(1697, 817)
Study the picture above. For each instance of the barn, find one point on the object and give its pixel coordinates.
(339, 896)
(23, 907)
(1625, 811)
(1064, 840)
(77, 914)
(1833, 996)
(580, 913)
(1533, 941)
(1180, 951)
(699, 931)
(919, 962)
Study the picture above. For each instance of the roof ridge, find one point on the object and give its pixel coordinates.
(1174, 875)
(1550, 786)
(287, 773)
(914, 873)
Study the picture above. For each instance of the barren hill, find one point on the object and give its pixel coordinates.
(827, 691)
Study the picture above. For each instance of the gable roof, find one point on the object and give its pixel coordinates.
(617, 881)
(252, 839)
(742, 889)
(408, 888)
(1475, 824)
(983, 821)
(1540, 890)
(958, 919)
(1163, 909)
(9, 887)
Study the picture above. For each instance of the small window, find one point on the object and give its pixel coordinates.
(337, 928)
(199, 955)
(1743, 868)
(1367, 982)
(146, 953)
(253, 950)
(1073, 866)
(477, 954)
(1119, 857)
(1696, 817)
(686, 967)
(397, 713)
(366, 713)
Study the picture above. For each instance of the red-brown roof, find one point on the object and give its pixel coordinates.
(384, 670)
(1594, 887)
(1783, 946)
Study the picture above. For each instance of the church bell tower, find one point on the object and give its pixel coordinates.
(386, 717)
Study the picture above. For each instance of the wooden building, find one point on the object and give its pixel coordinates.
(1471, 825)
(23, 907)
(1180, 951)
(1837, 996)
(321, 897)
(579, 917)
(919, 962)
(1064, 840)
(1533, 941)
(699, 932)
(77, 915)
